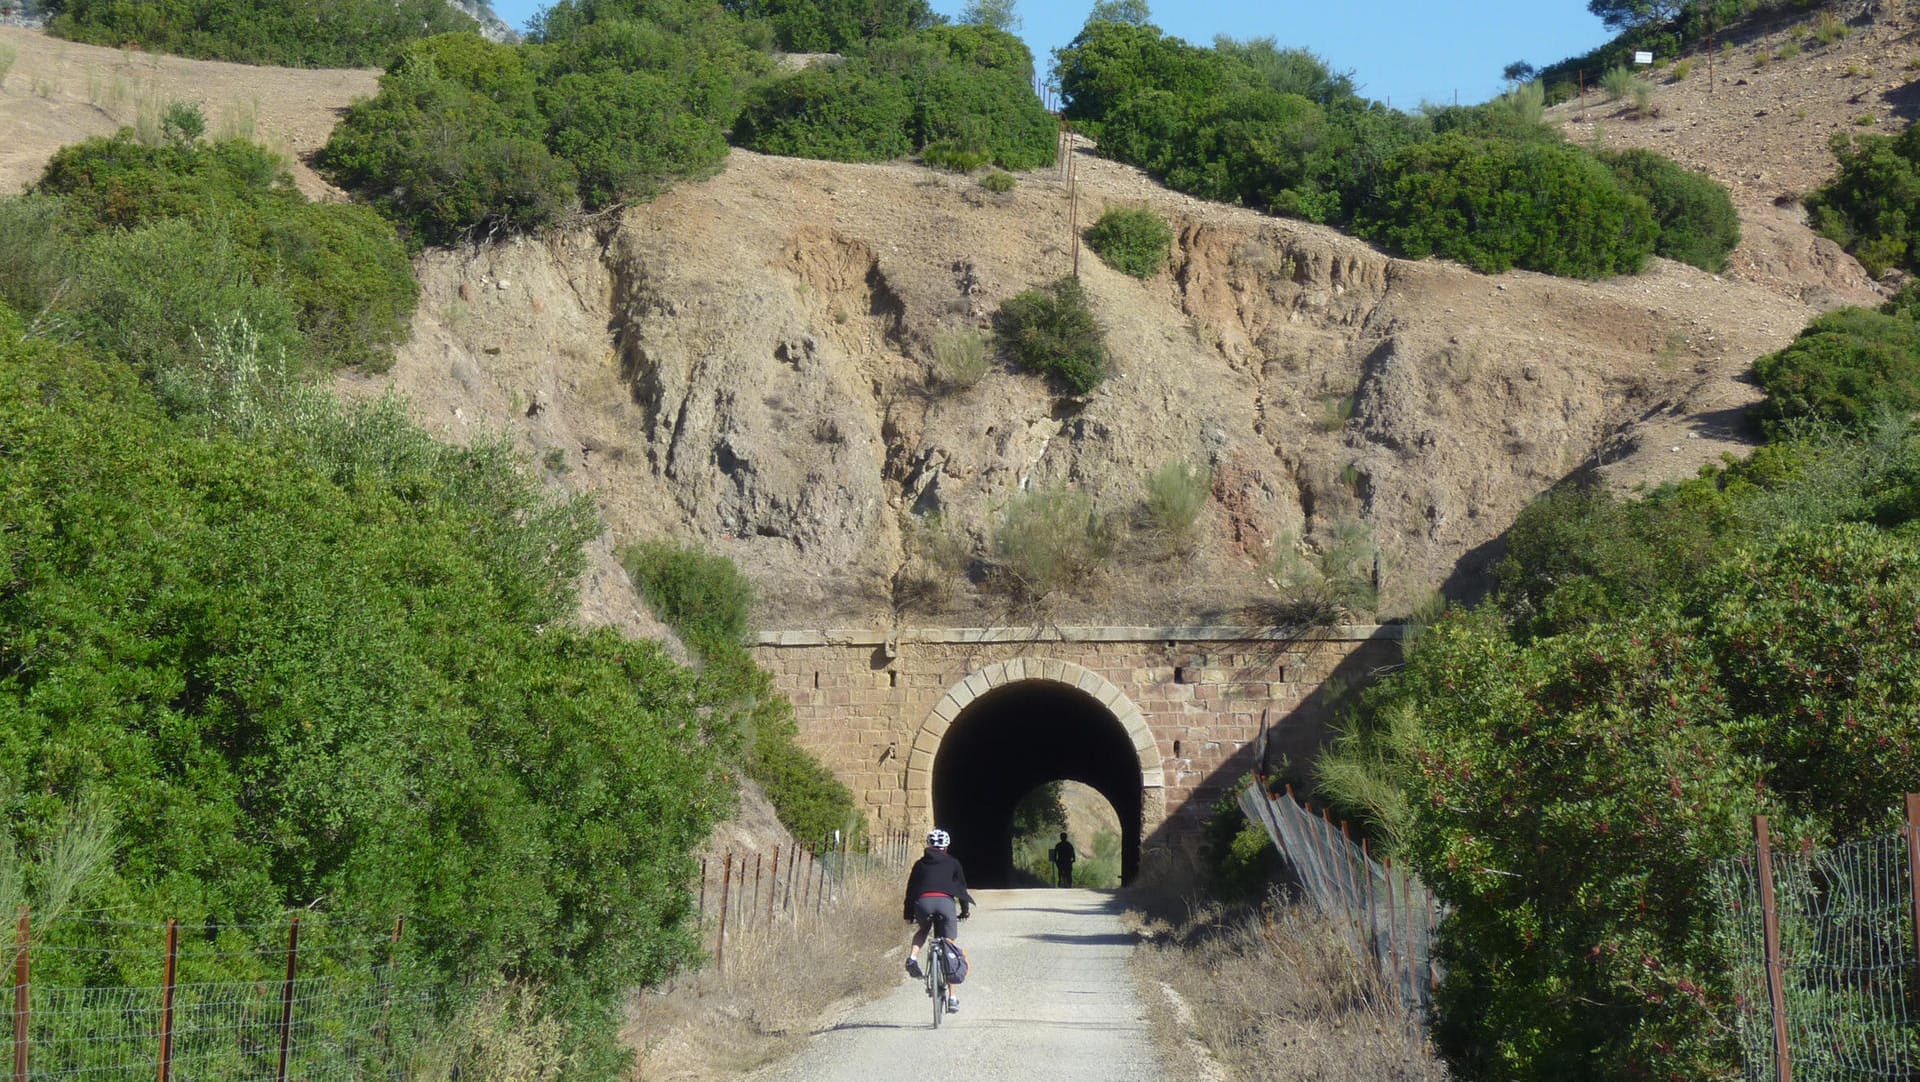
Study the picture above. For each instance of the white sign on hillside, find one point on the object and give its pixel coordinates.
(1643, 56)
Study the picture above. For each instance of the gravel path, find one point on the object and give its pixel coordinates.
(1049, 998)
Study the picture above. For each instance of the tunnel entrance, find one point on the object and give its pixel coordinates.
(1018, 736)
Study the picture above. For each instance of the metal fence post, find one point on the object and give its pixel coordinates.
(720, 944)
(773, 885)
(1776, 971)
(166, 1000)
(20, 986)
(286, 998)
(1913, 876)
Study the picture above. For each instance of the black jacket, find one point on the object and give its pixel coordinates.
(937, 873)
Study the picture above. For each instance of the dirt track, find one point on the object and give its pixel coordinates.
(1050, 999)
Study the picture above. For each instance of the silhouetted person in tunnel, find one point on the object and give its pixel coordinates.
(935, 886)
(1062, 856)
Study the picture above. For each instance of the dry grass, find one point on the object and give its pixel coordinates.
(1276, 994)
(778, 983)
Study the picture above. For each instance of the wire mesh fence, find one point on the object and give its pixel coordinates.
(104, 1001)
(1823, 956)
(1389, 916)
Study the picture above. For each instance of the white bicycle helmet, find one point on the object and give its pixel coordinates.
(938, 838)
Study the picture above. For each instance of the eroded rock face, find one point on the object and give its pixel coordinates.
(746, 363)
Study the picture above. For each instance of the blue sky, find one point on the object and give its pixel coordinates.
(1399, 51)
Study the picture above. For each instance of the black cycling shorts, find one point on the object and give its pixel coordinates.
(937, 911)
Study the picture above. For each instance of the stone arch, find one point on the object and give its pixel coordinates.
(1054, 676)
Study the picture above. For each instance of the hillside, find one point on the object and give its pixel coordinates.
(745, 361)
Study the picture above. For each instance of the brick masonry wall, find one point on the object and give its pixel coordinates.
(862, 698)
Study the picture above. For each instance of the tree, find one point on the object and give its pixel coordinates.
(1633, 14)
(1518, 72)
(999, 14)
(1124, 12)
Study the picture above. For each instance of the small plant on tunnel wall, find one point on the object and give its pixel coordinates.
(1322, 584)
(1176, 494)
(1048, 539)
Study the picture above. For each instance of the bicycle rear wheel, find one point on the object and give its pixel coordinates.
(937, 982)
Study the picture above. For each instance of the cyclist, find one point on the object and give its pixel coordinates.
(935, 886)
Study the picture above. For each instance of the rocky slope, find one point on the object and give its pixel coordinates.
(745, 362)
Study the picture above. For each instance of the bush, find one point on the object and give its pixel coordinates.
(1493, 206)
(846, 114)
(1868, 208)
(708, 602)
(702, 596)
(998, 182)
(1850, 367)
(1131, 240)
(341, 267)
(1049, 539)
(454, 143)
(986, 112)
(291, 33)
(1695, 215)
(1052, 332)
(961, 356)
(1176, 494)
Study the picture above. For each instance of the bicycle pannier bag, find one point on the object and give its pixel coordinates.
(956, 961)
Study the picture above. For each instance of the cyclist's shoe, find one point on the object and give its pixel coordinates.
(953, 1006)
(913, 967)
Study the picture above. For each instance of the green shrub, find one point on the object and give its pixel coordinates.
(1324, 584)
(985, 111)
(708, 602)
(1176, 494)
(962, 356)
(1052, 332)
(830, 26)
(1049, 539)
(1131, 240)
(1539, 206)
(1698, 224)
(1868, 207)
(846, 114)
(291, 33)
(1241, 859)
(453, 144)
(955, 156)
(1618, 83)
(998, 182)
(1850, 367)
(702, 596)
(376, 622)
(341, 267)
(592, 129)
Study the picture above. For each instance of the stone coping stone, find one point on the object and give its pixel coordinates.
(951, 635)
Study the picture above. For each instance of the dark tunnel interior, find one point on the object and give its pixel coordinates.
(1014, 738)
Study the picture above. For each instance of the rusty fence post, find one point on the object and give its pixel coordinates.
(1913, 878)
(1370, 900)
(1770, 932)
(703, 888)
(286, 998)
(20, 987)
(772, 887)
(720, 942)
(166, 999)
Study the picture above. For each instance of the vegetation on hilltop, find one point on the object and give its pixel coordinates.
(1492, 185)
(289, 33)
